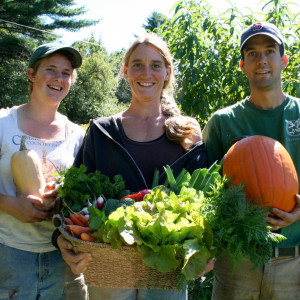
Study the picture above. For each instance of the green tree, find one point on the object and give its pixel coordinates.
(123, 92)
(279, 13)
(93, 94)
(23, 26)
(206, 52)
(35, 19)
(154, 22)
(14, 86)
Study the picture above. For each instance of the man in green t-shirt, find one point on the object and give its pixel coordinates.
(270, 112)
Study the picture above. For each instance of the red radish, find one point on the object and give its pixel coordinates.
(50, 185)
(84, 211)
(98, 203)
(88, 203)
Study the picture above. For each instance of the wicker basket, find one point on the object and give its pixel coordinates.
(121, 268)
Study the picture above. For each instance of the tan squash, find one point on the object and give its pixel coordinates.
(27, 172)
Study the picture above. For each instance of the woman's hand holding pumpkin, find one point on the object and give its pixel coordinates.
(78, 262)
(280, 219)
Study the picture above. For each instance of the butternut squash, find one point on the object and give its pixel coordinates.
(27, 172)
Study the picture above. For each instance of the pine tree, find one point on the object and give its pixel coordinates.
(24, 23)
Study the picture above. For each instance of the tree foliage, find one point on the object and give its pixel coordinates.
(206, 52)
(154, 22)
(14, 84)
(123, 92)
(279, 13)
(93, 94)
(34, 20)
(205, 47)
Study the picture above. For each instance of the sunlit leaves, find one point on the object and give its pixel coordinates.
(205, 47)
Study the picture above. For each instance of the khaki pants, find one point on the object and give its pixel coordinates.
(277, 280)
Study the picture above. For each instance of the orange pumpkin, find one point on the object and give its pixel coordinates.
(266, 169)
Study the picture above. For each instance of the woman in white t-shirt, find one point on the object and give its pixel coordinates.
(31, 268)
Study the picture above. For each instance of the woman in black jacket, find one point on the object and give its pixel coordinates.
(149, 135)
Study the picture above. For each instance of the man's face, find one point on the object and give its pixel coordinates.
(262, 63)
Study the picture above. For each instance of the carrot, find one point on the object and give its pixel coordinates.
(68, 221)
(77, 230)
(86, 237)
(50, 187)
(75, 220)
(82, 219)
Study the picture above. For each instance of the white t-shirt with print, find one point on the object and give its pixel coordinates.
(54, 156)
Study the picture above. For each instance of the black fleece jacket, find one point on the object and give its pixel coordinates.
(103, 150)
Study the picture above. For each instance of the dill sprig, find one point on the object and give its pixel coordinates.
(239, 226)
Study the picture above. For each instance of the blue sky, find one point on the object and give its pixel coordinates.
(122, 19)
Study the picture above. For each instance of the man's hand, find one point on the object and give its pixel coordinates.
(209, 266)
(279, 219)
(78, 262)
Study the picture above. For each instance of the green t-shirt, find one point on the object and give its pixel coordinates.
(244, 119)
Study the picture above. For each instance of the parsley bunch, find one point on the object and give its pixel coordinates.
(76, 187)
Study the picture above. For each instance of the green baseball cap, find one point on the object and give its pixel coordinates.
(48, 49)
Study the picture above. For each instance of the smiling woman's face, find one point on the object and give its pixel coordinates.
(146, 73)
(52, 78)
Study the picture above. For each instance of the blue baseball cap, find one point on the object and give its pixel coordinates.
(264, 28)
(48, 49)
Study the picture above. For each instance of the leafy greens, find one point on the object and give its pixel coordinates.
(76, 187)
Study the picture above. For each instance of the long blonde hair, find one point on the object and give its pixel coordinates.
(184, 130)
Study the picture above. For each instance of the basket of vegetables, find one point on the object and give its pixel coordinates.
(120, 268)
(159, 238)
(86, 202)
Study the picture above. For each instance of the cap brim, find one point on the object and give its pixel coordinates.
(276, 39)
(77, 56)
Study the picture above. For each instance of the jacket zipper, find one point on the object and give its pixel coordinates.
(124, 150)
